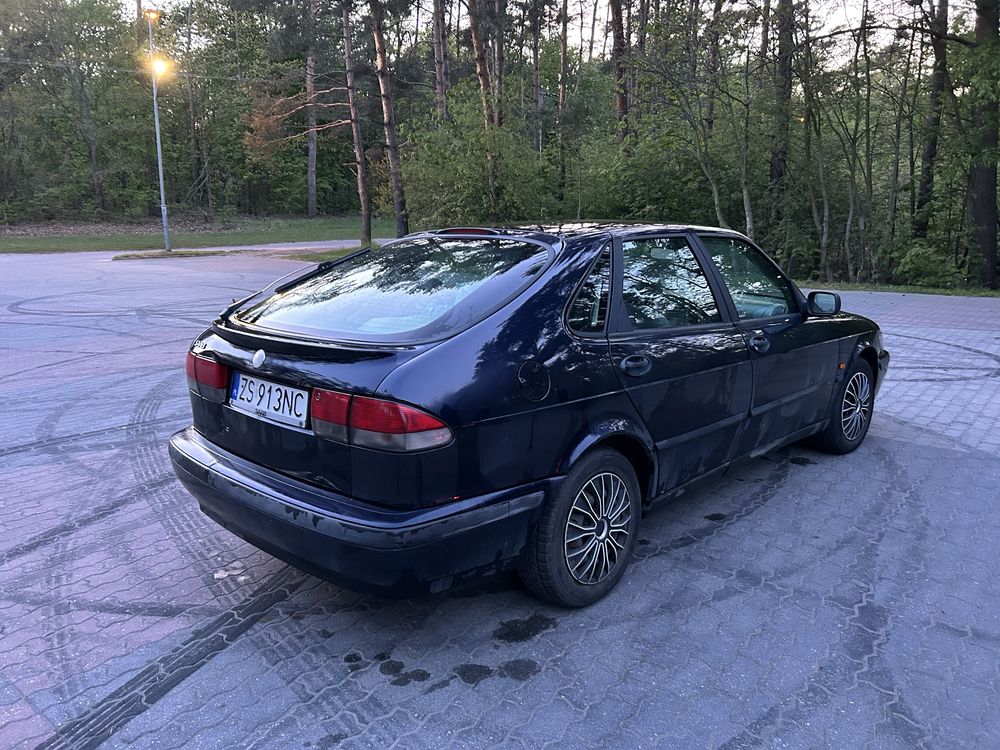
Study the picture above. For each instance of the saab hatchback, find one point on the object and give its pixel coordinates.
(463, 401)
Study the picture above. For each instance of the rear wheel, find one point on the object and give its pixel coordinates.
(851, 413)
(582, 545)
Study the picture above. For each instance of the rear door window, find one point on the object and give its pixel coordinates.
(663, 285)
(414, 290)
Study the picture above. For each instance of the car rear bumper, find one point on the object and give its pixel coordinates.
(362, 547)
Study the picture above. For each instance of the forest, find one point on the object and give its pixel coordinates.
(853, 141)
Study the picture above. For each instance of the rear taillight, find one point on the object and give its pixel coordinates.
(206, 377)
(375, 423)
(329, 414)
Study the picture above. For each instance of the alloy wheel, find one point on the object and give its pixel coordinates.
(856, 408)
(597, 528)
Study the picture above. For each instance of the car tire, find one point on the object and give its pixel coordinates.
(851, 412)
(581, 546)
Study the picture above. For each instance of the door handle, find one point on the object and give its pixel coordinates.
(636, 365)
(759, 343)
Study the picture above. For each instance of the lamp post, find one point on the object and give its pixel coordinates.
(158, 67)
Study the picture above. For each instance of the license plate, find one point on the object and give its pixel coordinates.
(270, 401)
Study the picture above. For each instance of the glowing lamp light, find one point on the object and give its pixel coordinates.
(160, 66)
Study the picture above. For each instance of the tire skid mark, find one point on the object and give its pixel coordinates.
(175, 510)
(30, 577)
(85, 356)
(768, 488)
(866, 629)
(60, 633)
(78, 326)
(99, 513)
(159, 677)
(986, 373)
(23, 307)
(59, 440)
(113, 606)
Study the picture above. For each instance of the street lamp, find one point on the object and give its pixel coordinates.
(158, 67)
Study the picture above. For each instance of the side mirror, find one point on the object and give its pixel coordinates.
(824, 303)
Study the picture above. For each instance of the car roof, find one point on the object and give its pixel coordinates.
(551, 232)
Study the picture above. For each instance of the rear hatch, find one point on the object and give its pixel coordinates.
(342, 329)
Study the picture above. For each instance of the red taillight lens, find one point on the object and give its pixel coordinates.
(375, 422)
(387, 425)
(207, 377)
(329, 413)
(376, 415)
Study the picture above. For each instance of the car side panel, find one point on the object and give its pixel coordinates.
(793, 380)
(509, 429)
(693, 400)
(796, 378)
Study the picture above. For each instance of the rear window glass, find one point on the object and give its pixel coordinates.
(414, 290)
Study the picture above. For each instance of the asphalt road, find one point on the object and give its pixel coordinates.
(804, 600)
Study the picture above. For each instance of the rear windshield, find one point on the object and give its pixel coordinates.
(414, 290)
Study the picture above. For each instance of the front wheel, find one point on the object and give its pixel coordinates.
(582, 545)
(851, 413)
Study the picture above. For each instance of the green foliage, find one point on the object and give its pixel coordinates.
(921, 264)
(704, 125)
(447, 173)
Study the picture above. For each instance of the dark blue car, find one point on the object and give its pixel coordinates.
(464, 401)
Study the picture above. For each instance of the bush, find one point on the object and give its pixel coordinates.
(447, 174)
(922, 264)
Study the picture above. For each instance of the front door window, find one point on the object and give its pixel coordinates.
(758, 288)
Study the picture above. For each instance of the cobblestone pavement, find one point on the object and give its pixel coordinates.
(803, 600)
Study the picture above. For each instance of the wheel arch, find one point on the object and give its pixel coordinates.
(636, 447)
(865, 349)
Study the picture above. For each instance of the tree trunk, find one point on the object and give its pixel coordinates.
(593, 28)
(889, 237)
(194, 150)
(440, 61)
(814, 129)
(782, 113)
(563, 74)
(713, 66)
(911, 155)
(720, 216)
(618, 63)
(867, 167)
(88, 130)
(479, 51)
(925, 189)
(745, 149)
(536, 84)
(359, 146)
(458, 32)
(765, 30)
(983, 172)
(389, 120)
(848, 258)
(141, 30)
(311, 115)
(500, 18)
